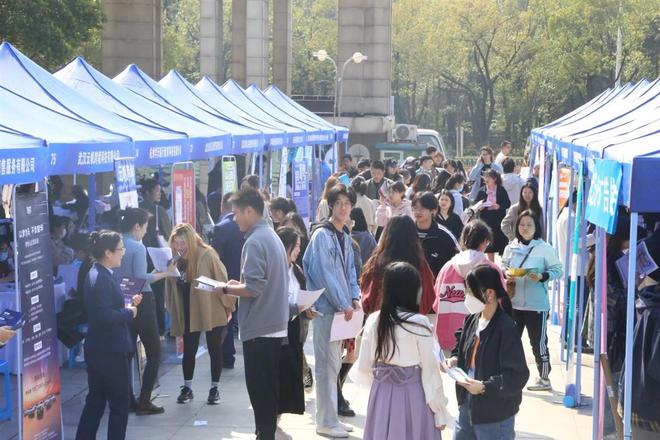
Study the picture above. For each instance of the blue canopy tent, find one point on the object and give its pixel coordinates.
(288, 105)
(274, 138)
(242, 138)
(23, 158)
(153, 145)
(623, 125)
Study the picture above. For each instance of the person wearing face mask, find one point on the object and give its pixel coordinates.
(531, 263)
(108, 340)
(194, 310)
(398, 360)
(133, 225)
(450, 283)
(489, 350)
(528, 199)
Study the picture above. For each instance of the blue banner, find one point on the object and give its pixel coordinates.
(300, 180)
(603, 200)
(159, 153)
(85, 158)
(126, 184)
(23, 165)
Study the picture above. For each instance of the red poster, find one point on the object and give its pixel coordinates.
(183, 195)
(564, 181)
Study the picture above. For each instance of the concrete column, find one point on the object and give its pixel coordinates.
(132, 34)
(249, 62)
(211, 56)
(282, 44)
(366, 26)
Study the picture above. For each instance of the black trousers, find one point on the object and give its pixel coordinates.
(536, 324)
(214, 345)
(158, 289)
(145, 325)
(108, 379)
(262, 358)
(228, 348)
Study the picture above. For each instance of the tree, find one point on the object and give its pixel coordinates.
(51, 32)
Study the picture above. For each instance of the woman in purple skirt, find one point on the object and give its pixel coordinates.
(398, 358)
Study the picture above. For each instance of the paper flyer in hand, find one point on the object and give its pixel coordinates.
(342, 329)
(131, 287)
(458, 374)
(161, 257)
(645, 264)
(207, 284)
(306, 298)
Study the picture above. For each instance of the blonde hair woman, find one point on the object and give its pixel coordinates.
(193, 310)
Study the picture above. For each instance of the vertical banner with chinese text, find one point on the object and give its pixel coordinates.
(41, 409)
(183, 193)
(300, 181)
(603, 199)
(126, 184)
(229, 175)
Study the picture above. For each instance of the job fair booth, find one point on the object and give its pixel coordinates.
(608, 152)
(103, 131)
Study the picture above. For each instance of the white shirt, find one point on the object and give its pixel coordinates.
(294, 288)
(414, 346)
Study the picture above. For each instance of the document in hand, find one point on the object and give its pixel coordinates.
(458, 374)
(342, 329)
(306, 298)
(161, 257)
(131, 287)
(207, 284)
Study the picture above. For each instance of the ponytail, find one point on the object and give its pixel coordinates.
(101, 241)
(130, 217)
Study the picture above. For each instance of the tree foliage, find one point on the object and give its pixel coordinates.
(51, 32)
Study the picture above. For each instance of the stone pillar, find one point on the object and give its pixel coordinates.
(249, 60)
(366, 26)
(282, 44)
(132, 34)
(211, 50)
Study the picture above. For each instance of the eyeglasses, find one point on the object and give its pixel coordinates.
(342, 205)
(121, 249)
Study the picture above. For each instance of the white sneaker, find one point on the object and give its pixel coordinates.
(337, 432)
(540, 385)
(346, 427)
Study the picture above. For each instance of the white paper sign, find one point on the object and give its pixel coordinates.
(306, 298)
(342, 329)
(161, 257)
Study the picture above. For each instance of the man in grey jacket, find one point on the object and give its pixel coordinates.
(263, 310)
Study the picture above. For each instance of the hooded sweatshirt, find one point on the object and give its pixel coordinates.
(450, 294)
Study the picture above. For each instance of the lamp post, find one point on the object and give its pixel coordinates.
(356, 58)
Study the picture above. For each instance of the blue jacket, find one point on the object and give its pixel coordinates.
(543, 259)
(475, 176)
(107, 317)
(228, 241)
(326, 267)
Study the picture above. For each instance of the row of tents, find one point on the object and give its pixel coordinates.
(77, 120)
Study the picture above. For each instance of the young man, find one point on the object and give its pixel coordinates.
(228, 242)
(329, 264)
(263, 310)
(279, 208)
(364, 168)
(438, 242)
(426, 165)
(377, 180)
(347, 163)
(392, 171)
(436, 155)
(505, 151)
(511, 182)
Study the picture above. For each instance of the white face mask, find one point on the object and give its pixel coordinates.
(473, 304)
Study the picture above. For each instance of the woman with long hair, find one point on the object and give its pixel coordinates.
(531, 263)
(529, 199)
(398, 243)
(364, 203)
(491, 354)
(295, 221)
(447, 217)
(108, 340)
(398, 359)
(360, 233)
(133, 224)
(421, 183)
(323, 210)
(491, 205)
(193, 310)
(455, 186)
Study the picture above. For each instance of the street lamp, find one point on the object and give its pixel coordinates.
(356, 58)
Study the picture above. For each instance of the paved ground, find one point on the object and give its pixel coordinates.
(542, 416)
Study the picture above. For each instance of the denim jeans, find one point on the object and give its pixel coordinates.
(465, 430)
(327, 361)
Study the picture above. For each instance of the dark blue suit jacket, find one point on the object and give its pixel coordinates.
(107, 317)
(228, 241)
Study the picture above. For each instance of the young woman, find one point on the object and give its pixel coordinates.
(323, 210)
(491, 206)
(493, 357)
(531, 302)
(193, 310)
(528, 200)
(364, 203)
(447, 217)
(484, 163)
(391, 206)
(108, 340)
(295, 221)
(455, 186)
(450, 283)
(398, 243)
(421, 183)
(361, 234)
(398, 359)
(133, 225)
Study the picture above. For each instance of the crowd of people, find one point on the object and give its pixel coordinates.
(449, 266)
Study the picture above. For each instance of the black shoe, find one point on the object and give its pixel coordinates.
(345, 410)
(214, 396)
(186, 395)
(148, 408)
(133, 404)
(227, 366)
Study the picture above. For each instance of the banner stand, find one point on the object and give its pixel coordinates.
(184, 209)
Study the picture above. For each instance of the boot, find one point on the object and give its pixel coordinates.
(343, 405)
(146, 407)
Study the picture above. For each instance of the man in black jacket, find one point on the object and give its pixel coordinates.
(438, 242)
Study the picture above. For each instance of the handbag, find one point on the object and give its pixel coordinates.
(511, 281)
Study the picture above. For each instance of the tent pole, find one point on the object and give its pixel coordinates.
(91, 210)
(261, 170)
(552, 219)
(630, 321)
(567, 269)
(581, 289)
(598, 292)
